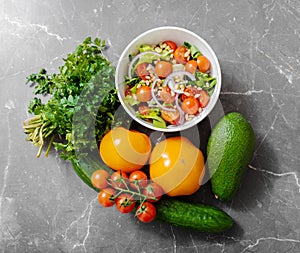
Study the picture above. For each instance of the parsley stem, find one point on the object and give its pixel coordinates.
(41, 140)
(49, 145)
(32, 126)
(40, 151)
(35, 133)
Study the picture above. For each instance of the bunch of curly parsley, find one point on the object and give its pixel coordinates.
(81, 105)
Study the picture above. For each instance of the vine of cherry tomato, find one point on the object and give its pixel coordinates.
(106, 197)
(138, 179)
(99, 179)
(153, 192)
(118, 179)
(125, 203)
(146, 212)
(127, 192)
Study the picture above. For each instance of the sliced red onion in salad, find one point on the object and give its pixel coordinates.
(170, 82)
(181, 113)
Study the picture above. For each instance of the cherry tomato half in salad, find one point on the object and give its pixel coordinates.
(188, 92)
(143, 94)
(146, 212)
(180, 55)
(144, 109)
(153, 191)
(171, 44)
(141, 70)
(166, 95)
(138, 178)
(106, 197)
(203, 63)
(127, 92)
(171, 117)
(99, 179)
(203, 99)
(118, 179)
(191, 66)
(163, 69)
(125, 203)
(190, 105)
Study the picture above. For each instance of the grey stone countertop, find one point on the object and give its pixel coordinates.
(45, 207)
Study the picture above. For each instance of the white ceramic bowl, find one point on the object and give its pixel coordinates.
(178, 35)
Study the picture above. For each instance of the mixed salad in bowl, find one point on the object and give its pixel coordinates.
(167, 84)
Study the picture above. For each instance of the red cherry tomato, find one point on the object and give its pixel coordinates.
(118, 179)
(171, 117)
(99, 179)
(144, 109)
(190, 105)
(179, 55)
(125, 203)
(188, 92)
(191, 66)
(146, 212)
(203, 99)
(153, 192)
(163, 69)
(138, 178)
(166, 96)
(106, 197)
(203, 63)
(143, 94)
(171, 44)
(141, 70)
(127, 91)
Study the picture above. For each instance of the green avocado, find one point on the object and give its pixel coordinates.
(229, 151)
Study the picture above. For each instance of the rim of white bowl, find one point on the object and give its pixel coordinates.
(216, 92)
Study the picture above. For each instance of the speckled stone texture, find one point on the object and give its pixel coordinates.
(45, 207)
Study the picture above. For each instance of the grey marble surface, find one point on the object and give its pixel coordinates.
(45, 207)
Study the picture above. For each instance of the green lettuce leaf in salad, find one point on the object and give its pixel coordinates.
(205, 81)
(150, 58)
(130, 100)
(146, 48)
(154, 115)
(164, 54)
(195, 52)
(159, 123)
(132, 82)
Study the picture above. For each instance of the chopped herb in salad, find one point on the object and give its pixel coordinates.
(168, 85)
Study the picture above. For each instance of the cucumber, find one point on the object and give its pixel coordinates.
(83, 175)
(230, 149)
(85, 167)
(199, 217)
